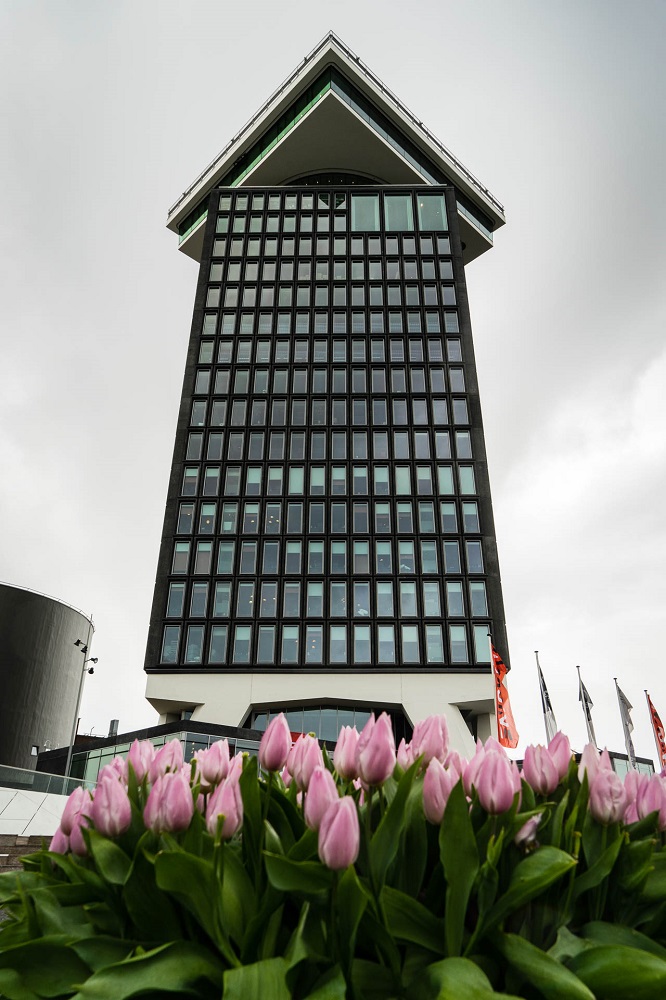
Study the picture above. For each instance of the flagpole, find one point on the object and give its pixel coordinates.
(549, 721)
(657, 732)
(624, 715)
(584, 699)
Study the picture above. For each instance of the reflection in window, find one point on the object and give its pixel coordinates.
(170, 644)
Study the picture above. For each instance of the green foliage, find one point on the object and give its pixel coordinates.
(425, 913)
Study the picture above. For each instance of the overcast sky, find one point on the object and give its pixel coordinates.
(108, 111)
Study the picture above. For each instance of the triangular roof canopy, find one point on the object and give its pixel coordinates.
(334, 115)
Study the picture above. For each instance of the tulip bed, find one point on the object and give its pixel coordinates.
(378, 874)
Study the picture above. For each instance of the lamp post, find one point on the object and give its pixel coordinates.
(83, 648)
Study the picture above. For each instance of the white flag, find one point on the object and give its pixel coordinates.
(587, 703)
(548, 713)
(627, 724)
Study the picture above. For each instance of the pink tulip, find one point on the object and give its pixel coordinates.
(651, 797)
(322, 791)
(630, 814)
(111, 809)
(437, 785)
(471, 768)
(539, 770)
(275, 744)
(116, 769)
(77, 844)
(225, 801)
(59, 842)
(339, 834)
(526, 836)
(236, 765)
(141, 756)
(404, 755)
(493, 746)
(454, 762)
(344, 755)
(608, 798)
(169, 807)
(214, 763)
(167, 758)
(430, 739)
(305, 755)
(497, 782)
(375, 751)
(78, 804)
(559, 749)
(286, 777)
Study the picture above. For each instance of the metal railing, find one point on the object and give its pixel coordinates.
(331, 36)
(23, 780)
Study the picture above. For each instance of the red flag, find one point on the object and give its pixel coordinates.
(507, 734)
(659, 734)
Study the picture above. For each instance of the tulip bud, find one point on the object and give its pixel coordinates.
(116, 769)
(339, 834)
(454, 762)
(167, 758)
(169, 807)
(589, 761)
(225, 801)
(539, 770)
(275, 744)
(305, 755)
(375, 751)
(141, 756)
(430, 739)
(559, 749)
(497, 782)
(286, 777)
(608, 798)
(344, 755)
(111, 810)
(322, 790)
(651, 797)
(438, 783)
(404, 755)
(526, 836)
(78, 803)
(471, 768)
(59, 842)
(77, 844)
(214, 763)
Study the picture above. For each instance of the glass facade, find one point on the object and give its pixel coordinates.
(329, 486)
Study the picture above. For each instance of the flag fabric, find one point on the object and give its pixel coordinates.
(659, 732)
(625, 708)
(588, 705)
(548, 713)
(507, 734)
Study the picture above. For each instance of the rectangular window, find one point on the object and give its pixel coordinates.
(408, 599)
(222, 599)
(384, 599)
(454, 599)
(361, 644)
(253, 481)
(365, 213)
(194, 644)
(434, 644)
(199, 600)
(217, 652)
(405, 518)
(185, 514)
(202, 558)
(410, 643)
(290, 643)
(170, 644)
(458, 639)
(338, 644)
(291, 605)
(315, 599)
(292, 559)
(271, 556)
(268, 601)
(406, 558)
(481, 644)
(338, 518)
(248, 559)
(451, 557)
(225, 558)
(429, 557)
(398, 213)
(467, 482)
(338, 600)
(242, 642)
(266, 644)
(432, 212)
(181, 556)
(383, 557)
(474, 557)
(449, 519)
(471, 516)
(382, 518)
(314, 644)
(315, 557)
(245, 600)
(338, 557)
(445, 479)
(426, 517)
(431, 599)
(190, 481)
(386, 644)
(478, 600)
(361, 599)
(175, 600)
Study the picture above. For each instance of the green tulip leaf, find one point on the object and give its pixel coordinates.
(110, 860)
(297, 876)
(372, 981)
(549, 976)
(460, 860)
(386, 838)
(602, 933)
(600, 870)
(48, 966)
(182, 967)
(616, 972)
(352, 901)
(261, 981)
(330, 986)
(454, 979)
(409, 920)
(530, 878)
